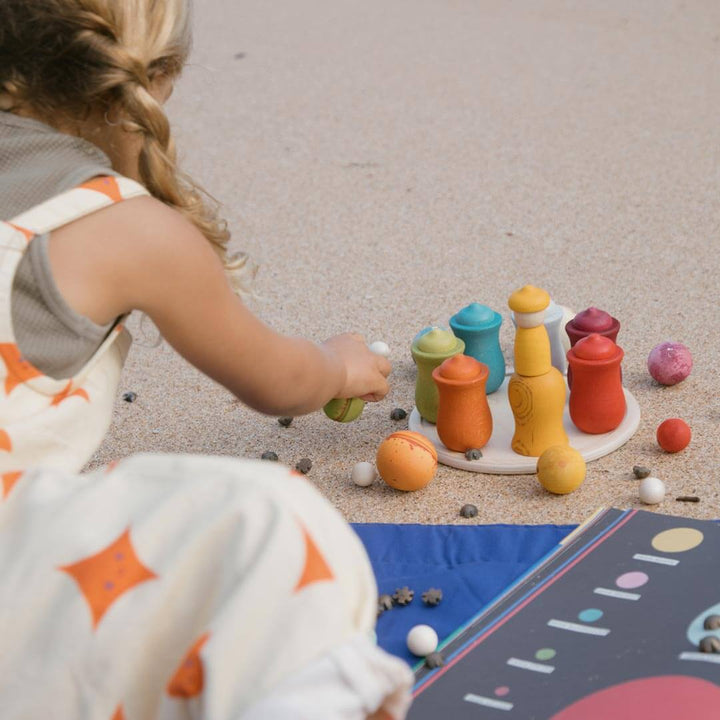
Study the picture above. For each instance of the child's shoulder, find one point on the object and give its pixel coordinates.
(109, 262)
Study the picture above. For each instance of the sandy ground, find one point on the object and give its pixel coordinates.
(389, 163)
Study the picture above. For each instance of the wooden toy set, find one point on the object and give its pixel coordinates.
(465, 397)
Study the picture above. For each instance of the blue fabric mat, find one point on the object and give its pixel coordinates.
(470, 564)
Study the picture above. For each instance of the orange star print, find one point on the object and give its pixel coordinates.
(29, 235)
(105, 185)
(316, 569)
(8, 482)
(189, 678)
(107, 575)
(19, 370)
(66, 393)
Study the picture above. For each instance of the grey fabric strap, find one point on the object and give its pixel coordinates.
(36, 163)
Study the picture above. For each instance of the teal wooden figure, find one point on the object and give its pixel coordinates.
(478, 327)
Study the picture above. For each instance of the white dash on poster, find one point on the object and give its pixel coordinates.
(619, 594)
(527, 665)
(488, 702)
(574, 627)
(655, 559)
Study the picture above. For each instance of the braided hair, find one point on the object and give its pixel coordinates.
(66, 58)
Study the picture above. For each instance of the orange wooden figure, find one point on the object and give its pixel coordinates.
(463, 420)
(597, 401)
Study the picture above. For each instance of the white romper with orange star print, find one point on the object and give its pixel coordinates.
(165, 587)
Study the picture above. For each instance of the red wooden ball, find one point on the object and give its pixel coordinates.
(673, 435)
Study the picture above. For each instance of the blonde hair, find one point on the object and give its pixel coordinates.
(67, 57)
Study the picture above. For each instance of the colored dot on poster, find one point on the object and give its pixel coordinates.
(590, 615)
(545, 654)
(502, 690)
(630, 580)
(677, 540)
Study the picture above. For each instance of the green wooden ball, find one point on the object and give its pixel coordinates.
(344, 409)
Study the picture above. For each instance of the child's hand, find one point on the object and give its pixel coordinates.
(365, 372)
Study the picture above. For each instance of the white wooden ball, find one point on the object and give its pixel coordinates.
(380, 348)
(652, 490)
(364, 474)
(422, 640)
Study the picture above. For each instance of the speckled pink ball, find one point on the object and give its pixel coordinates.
(669, 363)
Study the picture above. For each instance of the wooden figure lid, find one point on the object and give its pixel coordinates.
(529, 299)
(462, 369)
(592, 320)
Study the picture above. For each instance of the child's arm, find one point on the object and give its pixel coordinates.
(142, 255)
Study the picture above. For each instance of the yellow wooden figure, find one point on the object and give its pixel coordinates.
(536, 390)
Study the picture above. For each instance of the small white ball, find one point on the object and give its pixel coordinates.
(422, 640)
(652, 490)
(364, 474)
(380, 348)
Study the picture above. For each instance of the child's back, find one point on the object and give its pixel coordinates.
(167, 586)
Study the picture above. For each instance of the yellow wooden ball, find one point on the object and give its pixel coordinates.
(561, 469)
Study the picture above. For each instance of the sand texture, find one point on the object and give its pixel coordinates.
(388, 163)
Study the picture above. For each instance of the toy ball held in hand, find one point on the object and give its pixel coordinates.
(669, 363)
(406, 460)
(348, 409)
(344, 409)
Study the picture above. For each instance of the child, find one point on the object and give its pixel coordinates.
(166, 586)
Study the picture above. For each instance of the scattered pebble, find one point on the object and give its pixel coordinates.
(688, 498)
(473, 454)
(422, 640)
(385, 602)
(652, 490)
(709, 644)
(269, 455)
(398, 414)
(364, 474)
(129, 397)
(433, 596)
(285, 421)
(640, 471)
(468, 511)
(303, 465)
(403, 596)
(712, 622)
(434, 660)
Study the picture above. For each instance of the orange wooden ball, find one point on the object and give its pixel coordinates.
(673, 435)
(406, 460)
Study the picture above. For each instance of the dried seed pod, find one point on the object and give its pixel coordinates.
(433, 596)
(640, 471)
(712, 622)
(398, 414)
(403, 596)
(434, 660)
(709, 644)
(129, 396)
(269, 455)
(468, 511)
(385, 602)
(473, 454)
(285, 421)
